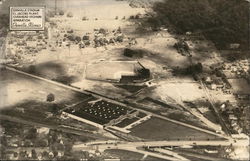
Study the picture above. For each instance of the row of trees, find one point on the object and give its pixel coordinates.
(222, 21)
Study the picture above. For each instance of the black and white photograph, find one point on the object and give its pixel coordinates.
(125, 80)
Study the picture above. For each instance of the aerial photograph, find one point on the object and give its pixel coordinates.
(125, 80)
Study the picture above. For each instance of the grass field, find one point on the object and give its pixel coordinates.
(111, 70)
(158, 129)
(17, 89)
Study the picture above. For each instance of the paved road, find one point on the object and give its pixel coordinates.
(164, 143)
(133, 146)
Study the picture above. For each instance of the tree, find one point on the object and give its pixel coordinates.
(3, 31)
(78, 39)
(120, 38)
(32, 134)
(32, 69)
(61, 12)
(103, 31)
(4, 21)
(87, 42)
(71, 37)
(222, 21)
(119, 30)
(33, 154)
(194, 69)
(132, 17)
(45, 155)
(155, 23)
(50, 97)
(69, 14)
(85, 37)
(51, 14)
(84, 18)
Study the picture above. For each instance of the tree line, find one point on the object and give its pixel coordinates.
(222, 21)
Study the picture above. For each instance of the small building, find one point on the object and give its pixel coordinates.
(232, 117)
(213, 86)
(208, 80)
(234, 46)
(43, 130)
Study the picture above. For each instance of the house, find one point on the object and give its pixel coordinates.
(242, 96)
(232, 117)
(213, 86)
(208, 80)
(43, 130)
(31, 44)
(234, 46)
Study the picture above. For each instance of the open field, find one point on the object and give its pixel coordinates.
(180, 90)
(158, 129)
(187, 118)
(17, 88)
(111, 70)
(104, 17)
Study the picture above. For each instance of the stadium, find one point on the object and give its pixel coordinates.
(117, 71)
(101, 113)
